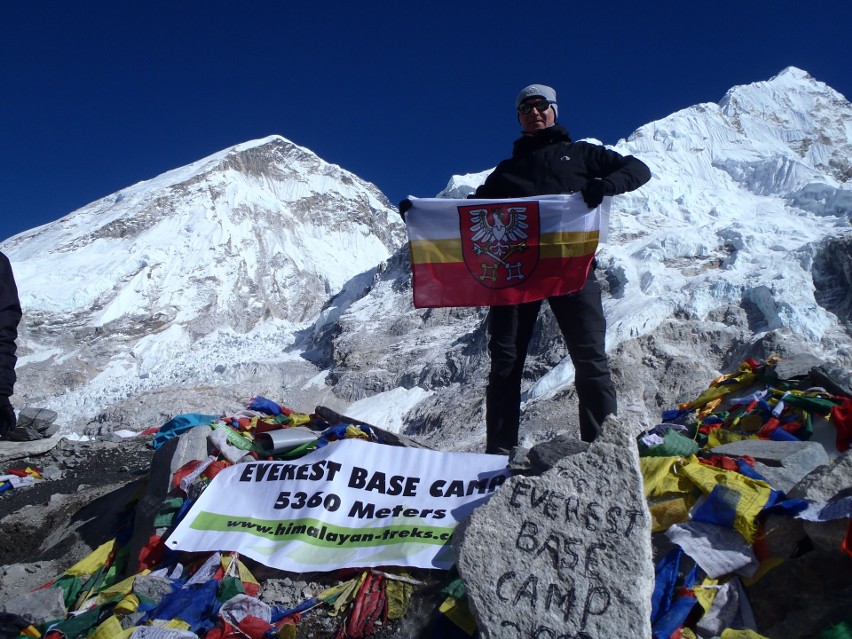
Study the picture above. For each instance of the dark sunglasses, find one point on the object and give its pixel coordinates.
(540, 105)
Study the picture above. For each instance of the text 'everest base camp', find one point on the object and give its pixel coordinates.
(226, 430)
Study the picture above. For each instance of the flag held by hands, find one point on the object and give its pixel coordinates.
(495, 252)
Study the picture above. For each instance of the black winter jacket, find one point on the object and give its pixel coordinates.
(10, 316)
(549, 162)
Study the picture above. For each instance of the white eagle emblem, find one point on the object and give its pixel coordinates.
(499, 226)
(498, 236)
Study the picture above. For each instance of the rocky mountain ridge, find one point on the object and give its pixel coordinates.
(221, 262)
(263, 270)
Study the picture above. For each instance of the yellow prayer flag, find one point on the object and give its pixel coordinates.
(176, 624)
(459, 613)
(765, 566)
(741, 634)
(244, 574)
(752, 493)
(90, 564)
(340, 595)
(668, 512)
(660, 476)
(111, 628)
(124, 587)
(399, 596)
(706, 592)
(128, 604)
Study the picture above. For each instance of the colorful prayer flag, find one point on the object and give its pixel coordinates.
(495, 252)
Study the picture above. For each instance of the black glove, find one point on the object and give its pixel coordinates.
(403, 207)
(7, 416)
(593, 193)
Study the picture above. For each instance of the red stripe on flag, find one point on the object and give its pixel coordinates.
(452, 284)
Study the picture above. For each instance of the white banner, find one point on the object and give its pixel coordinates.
(349, 504)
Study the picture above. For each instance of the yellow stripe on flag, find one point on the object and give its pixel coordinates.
(565, 244)
(436, 251)
(504, 251)
(553, 246)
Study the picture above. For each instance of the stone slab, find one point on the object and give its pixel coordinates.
(545, 456)
(38, 607)
(564, 554)
(826, 482)
(10, 450)
(782, 463)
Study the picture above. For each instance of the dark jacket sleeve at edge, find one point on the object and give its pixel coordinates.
(622, 173)
(10, 317)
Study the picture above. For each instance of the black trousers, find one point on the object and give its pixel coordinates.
(581, 320)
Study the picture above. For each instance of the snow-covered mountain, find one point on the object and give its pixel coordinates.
(198, 279)
(264, 270)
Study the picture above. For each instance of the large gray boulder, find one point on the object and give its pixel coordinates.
(782, 463)
(564, 554)
(826, 483)
(38, 607)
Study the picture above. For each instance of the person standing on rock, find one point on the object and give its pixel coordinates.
(546, 161)
(10, 317)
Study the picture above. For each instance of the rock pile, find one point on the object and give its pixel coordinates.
(701, 529)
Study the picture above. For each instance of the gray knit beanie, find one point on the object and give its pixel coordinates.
(540, 90)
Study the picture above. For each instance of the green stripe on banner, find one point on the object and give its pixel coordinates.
(317, 533)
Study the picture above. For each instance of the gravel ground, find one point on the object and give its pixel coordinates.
(88, 479)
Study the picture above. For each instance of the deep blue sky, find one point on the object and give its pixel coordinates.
(98, 95)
